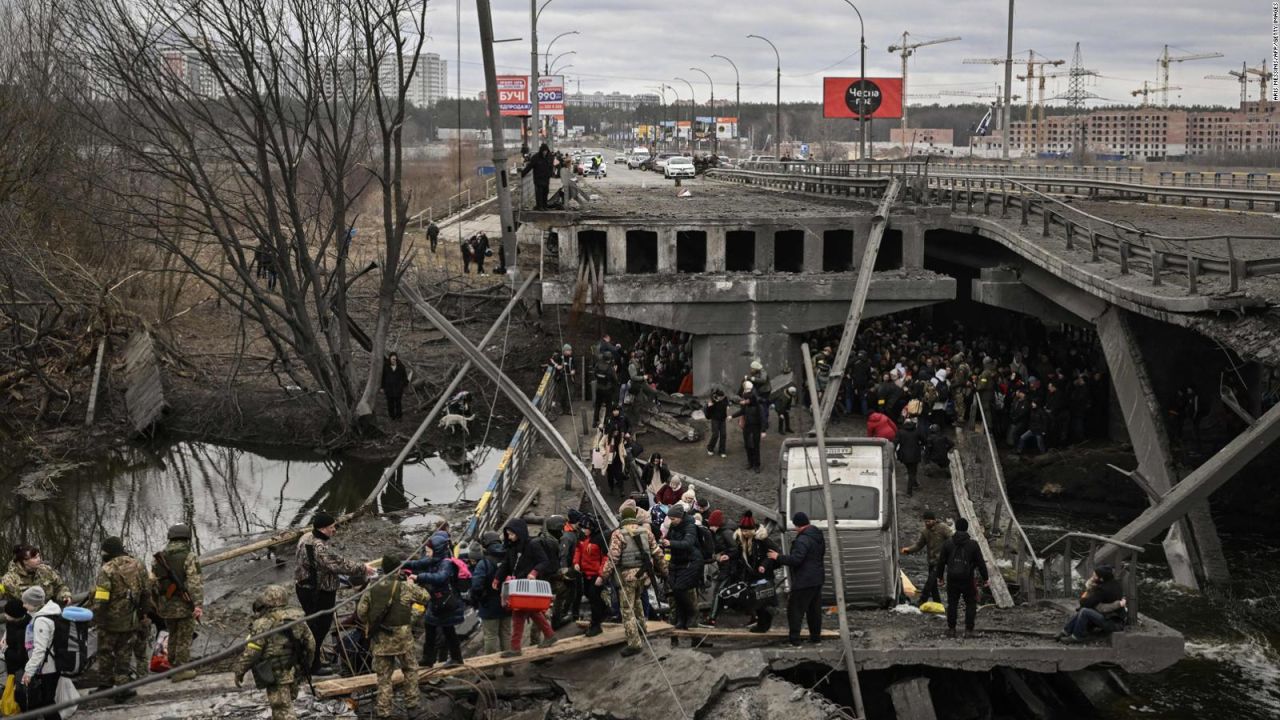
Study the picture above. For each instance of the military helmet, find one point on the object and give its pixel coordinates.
(180, 531)
(272, 596)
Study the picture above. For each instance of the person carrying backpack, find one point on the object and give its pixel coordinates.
(440, 575)
(495, 620)
(121, 600)
(960, 557)
(40, 676)
(387, 613)
(525, 559)
(277, 661)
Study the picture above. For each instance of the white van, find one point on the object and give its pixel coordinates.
(866, 509)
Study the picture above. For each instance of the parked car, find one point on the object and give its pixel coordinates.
(660, 162)
(619, 159)
(679, 166)
(637, 160)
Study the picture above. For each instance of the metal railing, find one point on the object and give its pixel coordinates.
(489, 507)
(1123, 241)
(851, 186)
(456, 203)
(918, 168)
(1225, 197)
(1193, 178)
(1126, 571)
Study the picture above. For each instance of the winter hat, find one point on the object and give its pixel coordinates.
(800, 519)
(689, 496)
(628, 503)
(1106, 572)
(962, 525)
(748, 521)
(755, 365)
(629, 513)
(489, 537)
(748, 387)
(322, 519)
(113, 547)
(675, 511)
(33, 596)
(390, 562)
(715, 519)
(930, 515)
(566, 348)
(14, 609)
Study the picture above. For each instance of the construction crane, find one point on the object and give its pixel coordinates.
(1241, 76)
(1162, 64)
(1147, 90)
(1264, 80)
(996, 97)
(1030, 77)
(906, 50)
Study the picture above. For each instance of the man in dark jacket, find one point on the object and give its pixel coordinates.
(605, 376)
(1102, 606)
(479, 250)
(752, 426)
(394, 380)
(860, 381)
(910, 449)
(807, 561)
(1037, 426)
(783, 407)
(495, 620)
(433, 235)
(525, 559)
(939, 447)
(542, 165)
(716, 410)
(960, 557)
(686, 566)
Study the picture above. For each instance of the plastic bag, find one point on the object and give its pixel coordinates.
(66, 691)
(9, 703)
(933, 608)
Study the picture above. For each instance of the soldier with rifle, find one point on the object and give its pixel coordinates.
(386, 610)
(635, 554)
(180, 595)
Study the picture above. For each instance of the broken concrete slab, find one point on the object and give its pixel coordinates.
(911, 699)
(636, 682)
(772, 698)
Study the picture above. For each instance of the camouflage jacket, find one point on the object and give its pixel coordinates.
(632, 526)
(933, 539)
(279, 648)
(328, 565)
(17, 580)
(171, 605)
(398, 640)
(122, 594)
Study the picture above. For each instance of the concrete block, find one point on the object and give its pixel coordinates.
(911, 700)
(716, 239)
(813, 250)
(912, 244)
(666, 250)
(764, 249)
(617, 243)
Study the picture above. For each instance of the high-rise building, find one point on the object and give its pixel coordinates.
(430, 80)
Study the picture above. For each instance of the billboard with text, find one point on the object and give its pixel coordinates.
(513, 95)
(551, 96)
(861, 97)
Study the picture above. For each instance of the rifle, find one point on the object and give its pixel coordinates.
(300, 661)
(177, 584)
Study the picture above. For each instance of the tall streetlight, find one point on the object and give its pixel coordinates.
(737, 92)
(777, 106)
(693, 110)
(1008, 87)
(862, 77)
(545, 64)
(675, 112)
(553, 62)
(534, 13)
(715, 134)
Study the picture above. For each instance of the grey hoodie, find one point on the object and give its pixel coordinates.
(41, 630)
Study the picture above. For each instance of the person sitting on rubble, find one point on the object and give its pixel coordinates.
(1102, 608)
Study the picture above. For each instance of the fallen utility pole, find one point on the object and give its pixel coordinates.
(837, 568)
(522, 403)
(444, 398)
(1200, 484)
(860, 289)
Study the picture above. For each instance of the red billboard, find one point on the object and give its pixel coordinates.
(875, 97)
(513, 95)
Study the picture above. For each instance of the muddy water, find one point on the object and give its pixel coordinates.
(1232, 663)
(226, 494)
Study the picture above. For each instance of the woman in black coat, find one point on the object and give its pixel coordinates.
(394, 380)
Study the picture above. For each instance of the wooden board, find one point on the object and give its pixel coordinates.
(995, 580)
(568, 646)
(144, 386)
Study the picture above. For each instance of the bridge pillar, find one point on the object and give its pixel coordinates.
(813, 250)
(567, 237)
(617, 247)
(722, 360)
(666, 250)
(716, 248)
(912, 244)
(764, 249)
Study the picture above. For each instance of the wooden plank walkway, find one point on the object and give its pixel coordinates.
(144, 385)
(568, 646)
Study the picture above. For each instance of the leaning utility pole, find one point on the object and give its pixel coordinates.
(1008, 89)
(534, 121)
(505, 212)
(833, 536)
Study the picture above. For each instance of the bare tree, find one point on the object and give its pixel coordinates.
(245, 130)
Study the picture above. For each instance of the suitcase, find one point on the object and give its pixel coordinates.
(529, 595)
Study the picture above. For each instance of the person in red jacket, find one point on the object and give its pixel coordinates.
(880, 426)
(588, 559)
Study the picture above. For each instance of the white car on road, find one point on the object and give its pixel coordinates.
(679, 166)
(637, 160)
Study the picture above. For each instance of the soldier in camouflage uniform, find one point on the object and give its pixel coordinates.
(316, 576)
(280, 658)
(121, 599)
(387, 610)
(628, 547)
(28, 570)
(179, 595)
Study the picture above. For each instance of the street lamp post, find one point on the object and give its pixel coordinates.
(862, 75)
(547, 65)
(675, 113)
(534, 13)
(715, 134)
(553, 62)
(693, 110)
(737, 94)
(1008, 87)
(777, 106)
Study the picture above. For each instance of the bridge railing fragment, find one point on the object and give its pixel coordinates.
(488, 510)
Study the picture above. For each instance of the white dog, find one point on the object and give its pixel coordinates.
(453, 422)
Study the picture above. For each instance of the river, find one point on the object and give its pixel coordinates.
(226, 494)
(1232, 663)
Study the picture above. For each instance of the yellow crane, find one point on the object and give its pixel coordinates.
(1162, 64)
(906, 50)
(1034, 60)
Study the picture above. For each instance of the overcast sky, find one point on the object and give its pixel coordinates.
(634, 46)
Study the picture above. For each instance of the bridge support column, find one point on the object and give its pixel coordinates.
(912, 244)
(764, 249)
(813, 250)
(666, 250)
(716, 242)
(567, 237)
(722, 360)
(616, 242)
(1144, 421)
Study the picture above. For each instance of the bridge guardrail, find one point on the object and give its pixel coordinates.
(901, 168)
(1250, 198)
(1127, 571)
(489, 507)
(455, 203)
(869, 186)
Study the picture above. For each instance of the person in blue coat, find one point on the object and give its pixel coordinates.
(436, 574)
